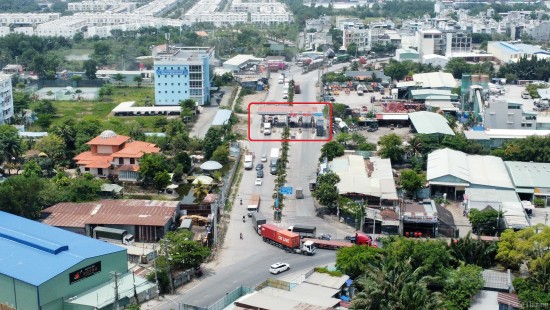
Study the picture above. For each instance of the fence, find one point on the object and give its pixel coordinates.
(225, 301)
(65, 83)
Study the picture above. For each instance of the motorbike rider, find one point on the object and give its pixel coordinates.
(241, 236)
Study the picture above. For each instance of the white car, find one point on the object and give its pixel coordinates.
(278, 268)
(264, 158)
(258, 182)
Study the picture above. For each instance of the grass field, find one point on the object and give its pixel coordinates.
(79, 110)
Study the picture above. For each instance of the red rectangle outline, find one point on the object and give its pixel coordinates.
(291, 140)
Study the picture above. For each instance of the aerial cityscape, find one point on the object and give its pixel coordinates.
(274, 154)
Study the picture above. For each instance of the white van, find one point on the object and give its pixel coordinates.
(285, 94)
(281, 79)
(525, 95)
(267, 129)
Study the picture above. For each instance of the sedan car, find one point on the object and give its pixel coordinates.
(258, 182)
(264, 158)
(273, 170)
(259, 167)
(278, 268)
(325, 237)
(260, 174)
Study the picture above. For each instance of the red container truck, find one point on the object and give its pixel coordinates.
(286, 240)
(359, 239)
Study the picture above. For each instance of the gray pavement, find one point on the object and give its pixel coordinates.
(204, 121)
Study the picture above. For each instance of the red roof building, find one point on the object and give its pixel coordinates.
(147, 220)
(112, 154)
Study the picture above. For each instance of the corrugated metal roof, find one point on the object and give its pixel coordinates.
(111, 211)
(34, 253)
(529, 175)
(430, 123)
(327, 280)
(509, 299)
(222, 117)
(474, 169)
(435, 80)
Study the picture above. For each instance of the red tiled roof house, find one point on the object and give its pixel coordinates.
(112, 154)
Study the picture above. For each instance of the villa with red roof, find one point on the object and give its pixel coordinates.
(114, 155)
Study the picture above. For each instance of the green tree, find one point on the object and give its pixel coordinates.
(21, 101)
(20, 195)
(458, 66)
(10, 144)
(188, 107)
(32, 169)
(200, 190)
(138, 80)
(161, 180)
(90, 69)
(54, 146)
(212, 140)
(391, 146)
(150, 165)
(184, 251)
(474, 251)
(118, 78)
(182, 158)
(178, 173)
(412, 181)
(221, 154)
(394, 285)
(326, 191)
(524, 246)
(396, 70)
(343, 138)
(354, 261)
(102, 51)
(354, 66)
(461, 285)
(486, 222)
(331, 150)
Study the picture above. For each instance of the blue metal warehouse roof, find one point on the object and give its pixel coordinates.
(34, 253)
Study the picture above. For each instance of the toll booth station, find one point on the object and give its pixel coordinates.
(293, 116)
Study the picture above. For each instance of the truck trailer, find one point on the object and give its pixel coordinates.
(253, 204)
(287, 240)
(258, 220)
(359, 239)
(248, 162)
(304, 231)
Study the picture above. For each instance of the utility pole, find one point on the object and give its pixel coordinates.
(135, 290)
(168, 259)
(115, 276)
(156, 277)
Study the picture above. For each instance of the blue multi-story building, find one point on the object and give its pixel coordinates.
(182, 73)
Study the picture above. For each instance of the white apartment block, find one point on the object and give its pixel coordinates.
(63, 27)
(358, 36)
(6, 99)
(265, 12)
(157, 7)
(10, 19)
(93, 24)
(101, 6)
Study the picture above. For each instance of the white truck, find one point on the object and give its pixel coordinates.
(253, 205)
(274, 153)
(248, 162)
(267, 128)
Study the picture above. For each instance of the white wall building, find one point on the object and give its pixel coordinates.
(157, 7)
(115, 6)
(6, 99)
(9, 19)
(430, 42)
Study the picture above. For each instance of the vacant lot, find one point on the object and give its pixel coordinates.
(101, 109)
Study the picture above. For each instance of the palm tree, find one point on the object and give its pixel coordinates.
(119, 78)
(200, 190)
(138, 80)
(394, 285)
(10, 147)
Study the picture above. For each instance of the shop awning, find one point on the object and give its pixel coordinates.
(524, 190)
(449, 184)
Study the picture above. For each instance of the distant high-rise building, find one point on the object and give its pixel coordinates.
(6, 99)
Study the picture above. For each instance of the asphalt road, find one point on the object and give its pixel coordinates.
(246, 262)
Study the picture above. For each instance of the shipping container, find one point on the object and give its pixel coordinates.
(288, 238)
